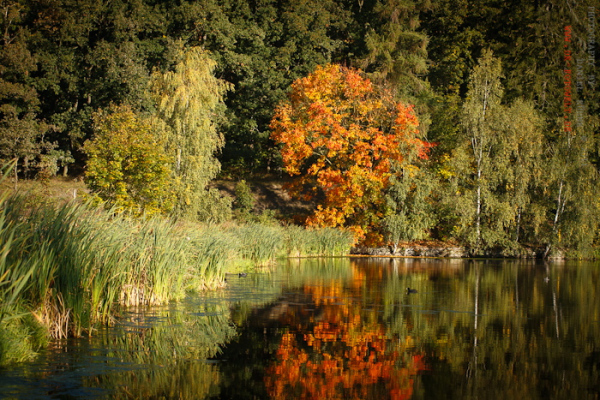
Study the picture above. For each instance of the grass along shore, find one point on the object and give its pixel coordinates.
(65, 269)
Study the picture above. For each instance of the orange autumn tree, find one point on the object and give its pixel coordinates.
(340, 135)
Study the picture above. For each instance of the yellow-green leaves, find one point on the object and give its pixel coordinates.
(127, 166)
(189, 99)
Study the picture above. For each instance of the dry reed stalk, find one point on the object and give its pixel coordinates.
(54, 316)
(134, 295)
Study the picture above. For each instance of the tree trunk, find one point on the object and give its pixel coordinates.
(518, 225)
(478, 220)
(16, 176)
(560, 205)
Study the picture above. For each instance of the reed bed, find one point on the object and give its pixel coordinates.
(261, 244)
(258, 243)
(306, 242)
(69, 268)
(72, 266)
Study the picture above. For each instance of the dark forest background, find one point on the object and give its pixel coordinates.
(529, 178)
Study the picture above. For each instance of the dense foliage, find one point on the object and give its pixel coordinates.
(525, 173)
(341, 136)
(127, 166)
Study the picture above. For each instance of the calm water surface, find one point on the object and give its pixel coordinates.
(346, 329)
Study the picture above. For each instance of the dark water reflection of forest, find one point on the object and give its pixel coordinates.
(346, 329)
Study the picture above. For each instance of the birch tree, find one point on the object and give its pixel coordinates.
(522, 154)
(189, 99)
(505, 147)
(480, 118)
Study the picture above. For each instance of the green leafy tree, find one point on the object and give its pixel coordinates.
(410, 202)
(244, 200)
(127, 166)
(22, 133)
(395, 50)
(521, 170)
(91, 54)
(189, 100)
(568, 88)
(481, 113)
(497, 165)
(571, 200)
(459, 30)
(261, 48)
(529, 38)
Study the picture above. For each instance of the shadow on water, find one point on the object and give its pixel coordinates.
(346, 328)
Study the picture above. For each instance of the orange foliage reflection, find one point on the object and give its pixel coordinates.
(339, 353)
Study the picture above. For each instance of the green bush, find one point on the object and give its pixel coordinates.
(244, 199)
(127, 166)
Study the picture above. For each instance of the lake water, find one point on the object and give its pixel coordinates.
(346, 329)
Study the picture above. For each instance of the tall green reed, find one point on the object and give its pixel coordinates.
(212, 248)
(258, 243)
(89, 261)
(301, 241)
(19, 333)
(14, 273)
(72, 266)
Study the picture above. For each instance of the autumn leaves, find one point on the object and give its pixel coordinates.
(340, 136)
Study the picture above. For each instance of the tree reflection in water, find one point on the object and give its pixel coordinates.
(475, 329)
(340, 355)
(171, 353)
(347, 328)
